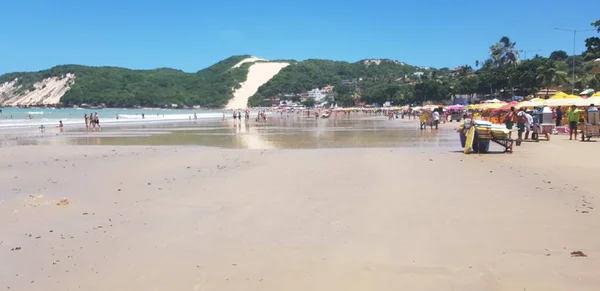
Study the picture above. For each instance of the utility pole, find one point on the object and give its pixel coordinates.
(525, 52)
(574, 31)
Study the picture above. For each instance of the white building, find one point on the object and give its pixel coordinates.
(317, 95)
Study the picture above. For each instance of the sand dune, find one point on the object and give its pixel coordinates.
(47, 92)
(258, 74)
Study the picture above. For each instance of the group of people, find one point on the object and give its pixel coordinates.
(92, 120)
(529, 121)
(431, 118)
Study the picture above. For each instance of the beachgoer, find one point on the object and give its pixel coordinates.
(60, 125)
(528, 124)
(436, 118)
(195, 116)
(521, 121)
(87, 121)
(559, 116)
(573, 117)
(97, 120)
(234, 117)
(509, 120)
(240, 115)
(143, 116)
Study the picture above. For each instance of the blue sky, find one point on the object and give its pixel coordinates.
(191, 35)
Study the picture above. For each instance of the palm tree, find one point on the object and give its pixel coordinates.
(550, 75)
(503, 53)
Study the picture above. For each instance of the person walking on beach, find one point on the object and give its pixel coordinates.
(240, 116)
(87, 122)
(521, 121)
(97, 120)
(195, 116)
(234, 117)
(436, 118)
(509, 120)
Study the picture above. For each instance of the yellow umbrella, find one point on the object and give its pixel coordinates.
(559, 95)
(597, 94)
(473, 106)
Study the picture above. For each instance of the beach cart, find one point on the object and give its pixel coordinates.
(589, 130)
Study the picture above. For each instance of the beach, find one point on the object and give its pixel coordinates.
(368, 216)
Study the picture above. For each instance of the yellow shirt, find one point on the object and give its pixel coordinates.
(573, 115)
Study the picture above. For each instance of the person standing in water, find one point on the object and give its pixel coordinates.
(97, 120)
(87, 122)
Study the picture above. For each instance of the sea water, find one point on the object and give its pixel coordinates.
(15, 118)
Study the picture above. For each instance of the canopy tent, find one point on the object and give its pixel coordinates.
(587, 92)
(562, 102)
(587, 102)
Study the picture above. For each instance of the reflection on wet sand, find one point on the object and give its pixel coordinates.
(277, 132)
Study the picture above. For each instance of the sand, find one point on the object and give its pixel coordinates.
(194, 218)
(258, 74)
(47, 92)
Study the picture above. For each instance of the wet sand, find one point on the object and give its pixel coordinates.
(293, 132)
(198, 218)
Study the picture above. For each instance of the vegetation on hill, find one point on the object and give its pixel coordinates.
(303, 76)
(119, 87)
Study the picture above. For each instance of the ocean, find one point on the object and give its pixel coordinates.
(15, 118)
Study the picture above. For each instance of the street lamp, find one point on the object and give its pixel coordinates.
(574, 31)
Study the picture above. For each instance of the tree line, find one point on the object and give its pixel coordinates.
(503, 75)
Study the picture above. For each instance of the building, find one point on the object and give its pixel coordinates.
(317, 95)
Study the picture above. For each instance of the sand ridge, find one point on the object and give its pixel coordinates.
(258, 74)
(46, 92)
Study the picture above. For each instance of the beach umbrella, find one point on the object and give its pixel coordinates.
(492, 105)
(597, 94)
(493, 101)
(507, 106)
(473, 106)
(559, 95)
(455, 107)
(587, 92)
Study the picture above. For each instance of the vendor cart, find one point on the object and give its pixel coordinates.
(456, 115)
(589, 130)
(545, 129)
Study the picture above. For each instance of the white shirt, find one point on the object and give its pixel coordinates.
(436, 115)
(529, 119)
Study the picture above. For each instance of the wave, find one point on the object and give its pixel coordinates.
(36, 112)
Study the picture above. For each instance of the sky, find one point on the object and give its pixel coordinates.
(190, 35)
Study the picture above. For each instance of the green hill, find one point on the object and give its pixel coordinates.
(303, 76)
(120, 87)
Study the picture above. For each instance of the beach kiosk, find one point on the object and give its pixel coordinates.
(591, 128)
